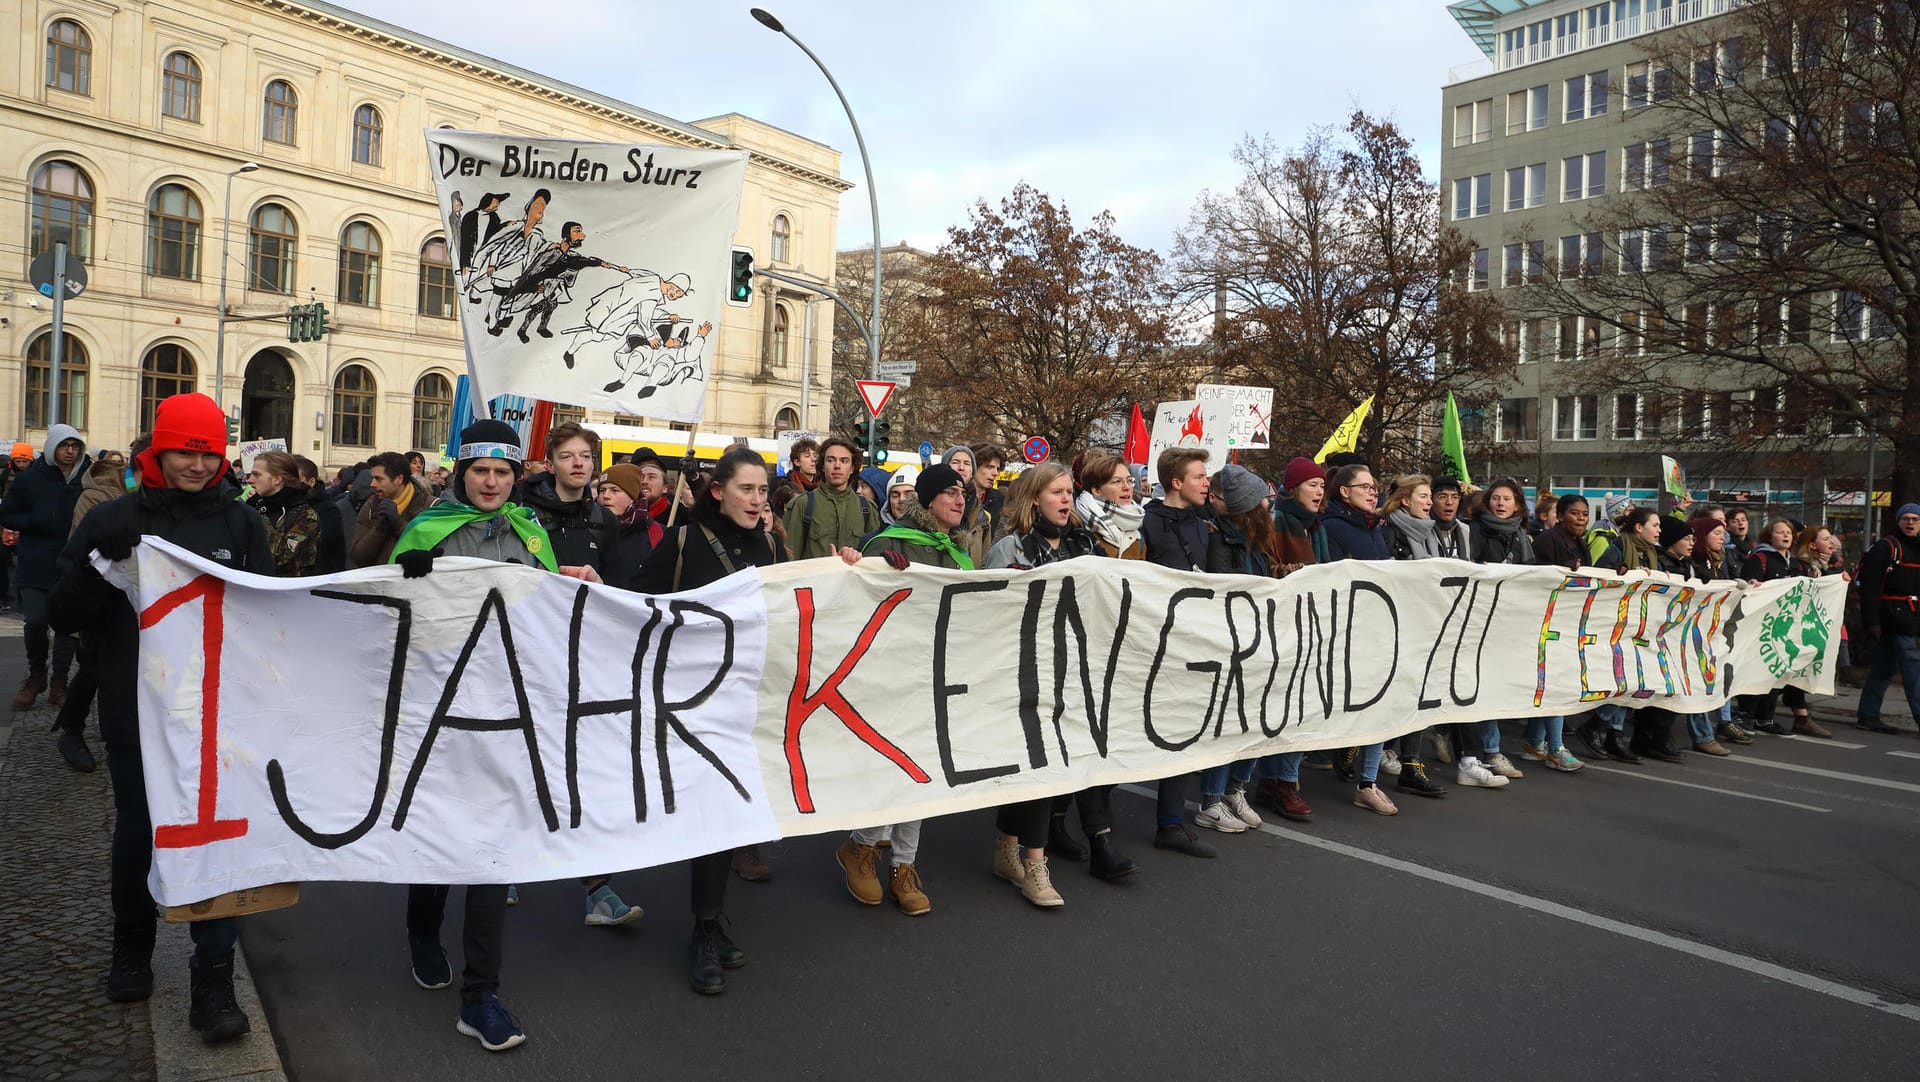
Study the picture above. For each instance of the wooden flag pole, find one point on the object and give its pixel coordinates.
(680, 485)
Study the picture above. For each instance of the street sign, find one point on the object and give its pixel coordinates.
(875, 394)
(41, 274)
(1035, 450)
(893, 370)
(926, 453)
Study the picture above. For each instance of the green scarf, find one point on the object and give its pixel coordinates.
(435, 524)
(931, 540)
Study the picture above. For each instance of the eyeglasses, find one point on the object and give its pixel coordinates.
(1369, 487)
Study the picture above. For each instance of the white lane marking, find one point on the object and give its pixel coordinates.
(1818, 741)
(1906, 754)
(1755, 966)
(1709, 788)
(1840, 775)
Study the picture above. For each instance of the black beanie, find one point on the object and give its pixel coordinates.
(934, 480)
(486, 439)
(1672, 530)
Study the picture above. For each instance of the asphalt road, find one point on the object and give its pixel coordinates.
(1718, 919)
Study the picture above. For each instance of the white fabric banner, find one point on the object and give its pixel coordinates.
(507, 725)
(593, 274)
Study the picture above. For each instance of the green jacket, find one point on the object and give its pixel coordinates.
(916, 552)
(820, 522)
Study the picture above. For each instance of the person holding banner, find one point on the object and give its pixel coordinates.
(1714, 561)
(1770, 558)
(1242, 543)
(1890, 617)
(187, 496)
(976, 529)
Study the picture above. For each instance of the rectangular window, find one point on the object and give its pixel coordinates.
(1633, 251)
(1473, 122)
(1800, 319)
(1473, 196)
(1567, 344)
(1516, 419)
(1482, 259)
(1639, 79)
(1657, 248)
(1570, 264)
(1576, 417)
(1733, 61)
(1527, 186)
(1583, 176)
(1633, 168)
(1626, 417)
(1526, 110)
(1576, 95)
(1659, 162)
(1596, 254)
(1514, 266)
(1563, 411)
(1700, 154)
(1536, 261)
(1586, 95)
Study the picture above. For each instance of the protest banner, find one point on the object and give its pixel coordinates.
(1191, 423)
(250, 449)
(1673, 478)
(593, 274)
(1250, 413)
(518, 726)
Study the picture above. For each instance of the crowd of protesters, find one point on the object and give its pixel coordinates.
(651, 526)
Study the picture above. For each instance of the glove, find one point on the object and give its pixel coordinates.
(387, 513)
(895, 560)
(415, 563)
(117, 544)
(690, 468)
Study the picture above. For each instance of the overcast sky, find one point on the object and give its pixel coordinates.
(1105, 104)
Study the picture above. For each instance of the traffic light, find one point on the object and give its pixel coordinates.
(306, 322)
(233, 429)
(740, 285)
(860, 439)
(317, 323)
(882, 438)
(297, 323)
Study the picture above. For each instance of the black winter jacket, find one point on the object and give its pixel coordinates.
(1175, 537)
(700, 565)
(1354, 535)
(40, 505)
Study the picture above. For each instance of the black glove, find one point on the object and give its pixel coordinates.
(117, 544)
(415, 563)
(895, 560)
(387, 513)
(690, 468)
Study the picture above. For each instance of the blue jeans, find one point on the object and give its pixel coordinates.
(1284, 766)
(1489, 739)
(1215, 780)
(1370, 762)
(1547, 732)
(1892, 650)
(1613, 715)
(1701, 726)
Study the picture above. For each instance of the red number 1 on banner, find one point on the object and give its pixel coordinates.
(210, 591)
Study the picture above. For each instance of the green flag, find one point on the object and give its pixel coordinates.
(1452, 445)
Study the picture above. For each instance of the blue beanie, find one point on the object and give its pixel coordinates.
(1907, 509)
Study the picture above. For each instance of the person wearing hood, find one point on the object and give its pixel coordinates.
(293, 524)
(977, 528)
(39, 506)
(106, 482)
(901, 494)
(1107, 506)
(386, 511)
(873, 486)
(184, 497)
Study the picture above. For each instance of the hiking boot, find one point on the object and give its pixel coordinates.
(212, 1010)
(1061, 842)
(1107, 862)
(431, 969)
(1618, 750)
(1291, 805)
(1413, 779)
(1006, 858)
(30, 689)
(1711, 747)
(1502, 766)
(863, 882)
(1346, 762)
(605, 909)
(1471, 774)
(1237, 804)
(748, 865)
(908, 893)
(490, 1023)
(1180, 838)
(1371, 798)
(130, 976)
(73, 748)
(1037, 885)
(57, 691)
(707, 957)
(1804, 725)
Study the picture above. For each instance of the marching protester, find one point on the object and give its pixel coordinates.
(1890, 617)
(1770, 558)
(1302, 541)
(830, 515)
(1242, 543)
(293, 524)
(977, 528)
(389, 508)
(333, 535)
(187, 497)
(1176, 532)
(1450, 528)
(1739, 533)
(619, 492)
(872, 487)
(106, 482)
(1639, 540)
(1813, 556)
(805, 457)
(901, 494)
(988, 461)
(39, 507)
(1714, 561)
(1106, 504)
(1500, 537)
(924, 536)
(1653, 725)
(1565, 545)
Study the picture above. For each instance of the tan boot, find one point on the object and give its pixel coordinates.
(1006, 859)
(862, 881)
(30, 689)
(908, 894)
(1803, 725)
(749, 866)
(1036, 884)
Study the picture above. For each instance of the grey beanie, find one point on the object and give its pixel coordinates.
(946, 456)
(1241, 489)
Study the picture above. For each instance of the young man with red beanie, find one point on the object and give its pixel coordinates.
(187, 497)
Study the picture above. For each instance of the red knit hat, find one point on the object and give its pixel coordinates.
(1299, 472)
(184, 422)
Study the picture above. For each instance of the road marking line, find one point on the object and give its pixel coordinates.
(1708, 788)
(1755, 966)
(1840, 775)
(1906, 754)
(1827, 743)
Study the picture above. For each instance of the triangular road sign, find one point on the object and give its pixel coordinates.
(875, 394)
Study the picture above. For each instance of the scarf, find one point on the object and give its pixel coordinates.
(940, 541)
(435, 524)
(1115, 523)
(1518, 545)
(1637, 554)
(1417, 531)
(406, 497)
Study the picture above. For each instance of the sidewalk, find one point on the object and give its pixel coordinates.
(55, 827)
(1843, 706)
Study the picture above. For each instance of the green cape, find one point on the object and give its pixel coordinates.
(921, 537)
(433, 525)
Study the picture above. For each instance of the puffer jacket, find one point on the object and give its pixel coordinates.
(40, 505)
(105, 482)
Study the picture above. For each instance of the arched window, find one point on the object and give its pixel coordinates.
(167, 370)
(353, 395)
(436, 284)
(366, 135)
(62, 210)
(777, 345)
(787, 420)
(69, 57)
(359, 265)
(173, 233)
(282, 113)
(180, 87)
(432, 411)
(782, 233)
(272, 240)
(73, 381)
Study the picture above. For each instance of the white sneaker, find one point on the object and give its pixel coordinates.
(1473, 775)
(1237, 804)
(1215, 816)
(1390, 762)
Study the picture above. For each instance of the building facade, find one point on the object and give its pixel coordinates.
(126, 129)
(1553, 123)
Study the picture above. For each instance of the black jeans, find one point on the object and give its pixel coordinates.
(709, 893)
(1170, 802)
(33, 610)
(73, 712)
(483, 932)
(134, 916)
(1096, 808)
(1027, 821)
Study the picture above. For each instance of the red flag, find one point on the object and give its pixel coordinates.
(1137, 439)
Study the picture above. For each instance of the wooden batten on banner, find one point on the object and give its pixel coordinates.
(236, 903)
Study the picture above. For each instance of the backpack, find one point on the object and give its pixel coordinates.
(806, 521)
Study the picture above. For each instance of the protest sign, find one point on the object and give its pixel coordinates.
(786, 438)
(1191, 423)
(1250, 411)
(518, 726)
(1673, 478)
(593, 274)
(250, 449)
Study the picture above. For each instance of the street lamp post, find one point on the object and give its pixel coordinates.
(766, 18)
(220, 325)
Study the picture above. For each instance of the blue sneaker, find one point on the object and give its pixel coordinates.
(430, 967)
(490, 1023)
(604, 907)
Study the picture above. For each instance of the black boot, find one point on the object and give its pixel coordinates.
(1413, 779)
(1109, 863)
(73, 748)
(709, 956)
(1617, 749)
(212, 1010)
(130, 977)
(1593, 740)
(1062, 844)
